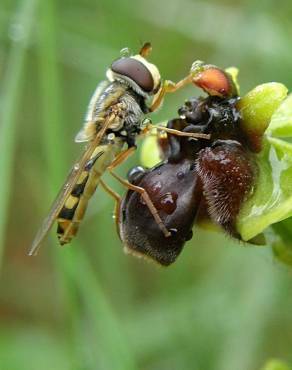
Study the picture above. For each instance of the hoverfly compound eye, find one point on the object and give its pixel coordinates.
(136, 71)
(141, 72)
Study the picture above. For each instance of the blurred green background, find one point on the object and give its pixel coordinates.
(222, 305)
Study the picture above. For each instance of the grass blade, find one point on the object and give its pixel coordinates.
(10, 97)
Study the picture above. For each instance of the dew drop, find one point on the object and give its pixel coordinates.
(111, 137)
(173, 231)
(156, 187)
(167, 202)
(136, 174)
(125, 52)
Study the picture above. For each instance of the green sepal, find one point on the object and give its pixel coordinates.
(281, 123)
(271, 200)
(257, 108)
(281, 240)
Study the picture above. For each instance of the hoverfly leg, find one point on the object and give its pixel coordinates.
(195, 129)
(119, 159)
(168, 87)
(147, 201)
(195, 135)
(117, 199)
(111, 192)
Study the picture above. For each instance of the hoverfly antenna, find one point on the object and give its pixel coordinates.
(145, 50)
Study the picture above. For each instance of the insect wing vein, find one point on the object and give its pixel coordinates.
(67, 188)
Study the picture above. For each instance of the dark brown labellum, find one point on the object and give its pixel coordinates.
(176, 201)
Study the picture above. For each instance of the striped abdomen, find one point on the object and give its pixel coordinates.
(75, 206)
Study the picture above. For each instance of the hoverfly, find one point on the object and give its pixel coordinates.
(197, 180)
(114, 118)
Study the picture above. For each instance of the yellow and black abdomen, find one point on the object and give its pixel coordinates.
(75, 206)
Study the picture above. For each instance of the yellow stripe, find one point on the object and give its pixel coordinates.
(71, 202)
(82, 177)
(98, 149)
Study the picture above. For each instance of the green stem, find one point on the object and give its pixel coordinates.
(10, 98)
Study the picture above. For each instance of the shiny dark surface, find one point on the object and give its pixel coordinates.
(175, 191)
(216, 174)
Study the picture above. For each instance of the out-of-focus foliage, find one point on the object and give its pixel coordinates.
(150, 154)
(276, 365)
(88, 306)
(281, 240)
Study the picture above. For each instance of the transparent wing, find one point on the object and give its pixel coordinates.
(88, 130)
(67, 188)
